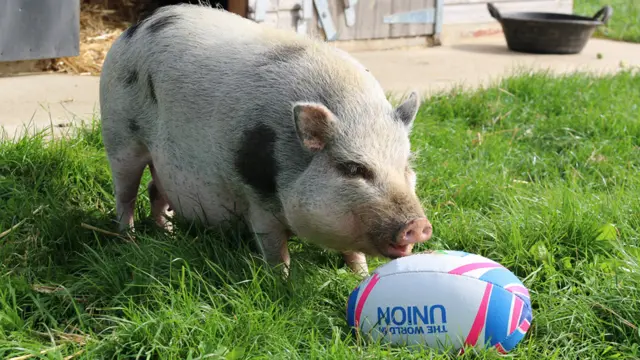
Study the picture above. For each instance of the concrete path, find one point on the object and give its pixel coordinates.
(42, 100)
(34, 102)
(476, 63)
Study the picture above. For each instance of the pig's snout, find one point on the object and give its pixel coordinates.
(413, 232)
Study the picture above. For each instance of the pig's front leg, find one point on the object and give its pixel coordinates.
(272, 236)
(357, 262)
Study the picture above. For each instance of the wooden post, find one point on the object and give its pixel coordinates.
(238, 6)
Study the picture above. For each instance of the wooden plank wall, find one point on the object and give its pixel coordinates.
(370, 14)
(401, 30)
(282, 14)
(369, 20)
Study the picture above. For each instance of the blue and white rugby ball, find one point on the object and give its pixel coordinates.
(443, 299)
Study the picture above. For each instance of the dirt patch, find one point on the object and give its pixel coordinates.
(101, 22)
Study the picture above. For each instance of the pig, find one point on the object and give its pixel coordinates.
(236, 119)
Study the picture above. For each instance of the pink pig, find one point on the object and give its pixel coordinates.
(235, 118)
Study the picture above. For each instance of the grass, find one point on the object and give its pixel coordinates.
(538, 172)
(623, 25)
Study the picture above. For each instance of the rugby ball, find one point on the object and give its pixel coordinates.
(444, 300)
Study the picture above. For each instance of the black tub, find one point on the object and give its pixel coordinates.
(548, 33)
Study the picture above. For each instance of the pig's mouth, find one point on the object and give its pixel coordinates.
(410, 233)
(395, 251)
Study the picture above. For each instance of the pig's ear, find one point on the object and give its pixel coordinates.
(314, 125)
(406, 112)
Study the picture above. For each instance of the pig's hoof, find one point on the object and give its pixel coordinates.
(361, 269)
(166, 224)
(163, 221)
(282, 271)
(168, 227)
(362, 273)
(125, 229)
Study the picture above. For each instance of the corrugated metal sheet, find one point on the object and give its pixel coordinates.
(39, 29)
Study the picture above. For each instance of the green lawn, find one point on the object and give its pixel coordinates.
(538, 173)
(624, 24)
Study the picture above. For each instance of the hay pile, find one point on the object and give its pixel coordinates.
(101, 22)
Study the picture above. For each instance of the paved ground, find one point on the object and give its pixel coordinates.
(42, 100)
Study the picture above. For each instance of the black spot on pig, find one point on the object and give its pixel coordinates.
(324, 98)
(152, 89)
(287, 52)
(133, 125)
(283, 54)
(131, 78)
(128, 34)
(162, 22)
(255, 160)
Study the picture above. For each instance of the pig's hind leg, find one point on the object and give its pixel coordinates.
(160, 209)
(126, 153)
(127, 166)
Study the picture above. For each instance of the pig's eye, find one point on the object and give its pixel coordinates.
(352, 170)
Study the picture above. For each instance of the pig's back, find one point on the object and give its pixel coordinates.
(219, 61)
(204, 77)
